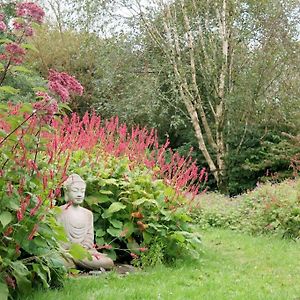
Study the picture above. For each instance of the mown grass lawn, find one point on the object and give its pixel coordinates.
(232, 266)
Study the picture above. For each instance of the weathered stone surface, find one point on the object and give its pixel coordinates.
(79, 226)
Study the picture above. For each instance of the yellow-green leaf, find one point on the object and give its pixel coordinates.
(5, 218)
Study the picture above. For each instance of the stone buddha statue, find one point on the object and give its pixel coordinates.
(79, 227)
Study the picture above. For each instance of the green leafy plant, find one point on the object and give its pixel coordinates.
(134, 212)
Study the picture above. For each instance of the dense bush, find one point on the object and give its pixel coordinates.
(134, 211)
(269, 208)
(135, 187)
(29, 234)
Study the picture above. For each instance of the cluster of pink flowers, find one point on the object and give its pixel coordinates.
(31, 11)
(15, 53)
(47, 107)
(26, 28)
(3, 26)
(17, 25)
(63, 84)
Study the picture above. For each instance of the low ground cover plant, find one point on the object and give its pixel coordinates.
(270, 208)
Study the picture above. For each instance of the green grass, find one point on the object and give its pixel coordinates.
(232, 266)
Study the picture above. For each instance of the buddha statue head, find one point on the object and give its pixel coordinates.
(74, 188)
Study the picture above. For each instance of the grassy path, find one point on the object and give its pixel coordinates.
(233, 266)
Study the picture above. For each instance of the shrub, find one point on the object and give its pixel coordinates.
(133, 210)
(135, 187)
(269, 208)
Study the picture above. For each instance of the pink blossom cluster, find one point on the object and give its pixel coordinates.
(17, 25)
(30, 10)
(3, 26)
(63, 84)
(47, 107)
(26, 28)
(14, 52)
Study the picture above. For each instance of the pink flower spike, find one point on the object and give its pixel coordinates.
(19, 215)
(33, 232)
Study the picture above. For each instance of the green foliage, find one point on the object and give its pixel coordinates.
(129, 75)
(270, 209)
(133, 211)
(264, 156)
(29, 251)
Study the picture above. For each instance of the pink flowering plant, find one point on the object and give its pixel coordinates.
(140, 199)
(30, 174)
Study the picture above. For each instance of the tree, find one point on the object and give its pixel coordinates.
(225, 55)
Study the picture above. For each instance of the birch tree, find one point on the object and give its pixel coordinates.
(210, 45)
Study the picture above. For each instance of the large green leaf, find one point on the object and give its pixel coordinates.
(103, 199)
(100, 232)
(41, 274)
(128, 229)
(100, 241)
(108, 181)
(116, 206)
(12, 202)
(20, 272)
(143, 200)
(178, 236)
(116, 223)
(115, 232)
(106, 192)
(78, 252)
(147, 237)
(5, 218)
(133, 246)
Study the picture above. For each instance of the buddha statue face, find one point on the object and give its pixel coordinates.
(74, 189)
